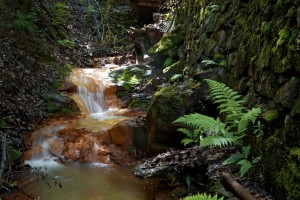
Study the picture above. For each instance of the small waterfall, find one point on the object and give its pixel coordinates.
(94, 101)
(90, 90)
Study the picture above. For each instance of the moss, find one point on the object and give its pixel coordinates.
(56, 84)
(175, 68)
(270, 115)
(168, 42)
(167, 91)
(59, 103)
(138, 104)
(296, 108)
(295, 152)
(289, 179)
(264, 57)
(14, 155)
(128, 77)
(166, 105)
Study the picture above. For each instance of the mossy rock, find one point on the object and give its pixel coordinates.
(169, 103)
(60, 103)
(288, 93)
(296, 108)
(270, 115)
(175, 68)
(138, 104)
(289, 179)
(128, 77)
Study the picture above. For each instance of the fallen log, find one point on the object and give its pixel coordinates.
(173, 161)
(236, 187)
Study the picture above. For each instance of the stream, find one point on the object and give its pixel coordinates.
(70, 160)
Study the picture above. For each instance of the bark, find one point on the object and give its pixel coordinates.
(236, 187)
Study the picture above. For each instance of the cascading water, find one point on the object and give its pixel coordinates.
(91, 93)
(92, 179)
(93, 101)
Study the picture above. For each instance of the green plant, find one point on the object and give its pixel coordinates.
(1, 4)
(90, 9)
(60, 13)
(214, 8)
(208, 62)
(203, 197)
(67, 43)
(3, 123)
(214, 132)
(26, 21)
(243, 160)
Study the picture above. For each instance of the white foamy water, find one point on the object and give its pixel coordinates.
(94, 101)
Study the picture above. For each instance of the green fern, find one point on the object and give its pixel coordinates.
(216, 133)
(242, 159)
(203, 197)
(211, 132)
(229, 100)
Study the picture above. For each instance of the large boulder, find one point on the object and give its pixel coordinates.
(169, 103)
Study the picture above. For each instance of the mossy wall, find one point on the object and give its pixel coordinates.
(259, 42)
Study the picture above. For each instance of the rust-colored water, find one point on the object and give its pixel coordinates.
(80, 138)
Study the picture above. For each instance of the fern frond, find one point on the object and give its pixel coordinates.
(245, 166)
(218, 140)
(203, 197)
(246, 151)
(248, 117)
(186, 131)
(233, 159)
(229, 100)
(198, 121)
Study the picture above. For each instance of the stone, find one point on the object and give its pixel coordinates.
(288, 93)
(122, 135)
(268, 84)
(67, 86)
(56, 147)
(296, 108)
(222, 37)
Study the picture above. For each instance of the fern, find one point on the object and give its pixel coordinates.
(247, 117)
(219, 141)
(203, 197)
(216, 133)
(212, 132)
(242, 159)
(229, 100)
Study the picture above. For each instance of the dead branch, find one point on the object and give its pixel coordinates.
(236, 187)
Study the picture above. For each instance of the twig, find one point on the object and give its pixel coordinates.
(236, 187)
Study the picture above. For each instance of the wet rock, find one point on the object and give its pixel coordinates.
(34, 152)
(122, 135)
(130, 134)
(56, 147)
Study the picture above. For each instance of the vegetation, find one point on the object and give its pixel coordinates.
(208, 131)
(203, 197)
(214, 132)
